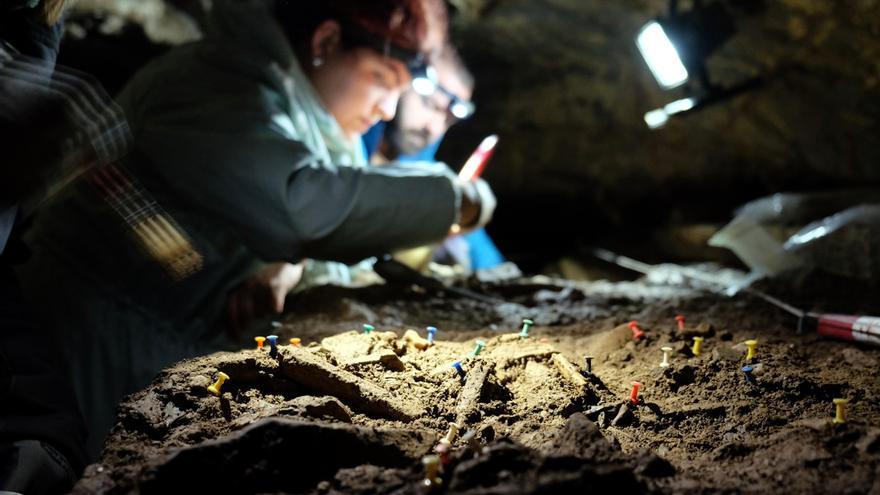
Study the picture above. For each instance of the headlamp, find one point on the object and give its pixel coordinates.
(354, 35)
(676, 47)
(425, 83)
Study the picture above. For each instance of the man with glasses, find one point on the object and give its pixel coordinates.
(439, 98)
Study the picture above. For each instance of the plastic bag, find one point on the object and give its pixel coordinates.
(796, 231)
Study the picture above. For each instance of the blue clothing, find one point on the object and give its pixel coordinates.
(373, 138)
(482, 251)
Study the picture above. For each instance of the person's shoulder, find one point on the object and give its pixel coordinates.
(193, 79)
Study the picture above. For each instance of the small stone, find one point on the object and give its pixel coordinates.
(870, 442)
(387, 359)
(412, 338)
(700, 330)
(725, 353)
(623, 418)
(654, 466)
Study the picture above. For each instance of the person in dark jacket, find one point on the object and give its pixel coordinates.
(250, 139)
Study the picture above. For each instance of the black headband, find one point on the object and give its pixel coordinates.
(354, 36)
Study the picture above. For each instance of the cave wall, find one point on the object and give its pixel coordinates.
(563, 84)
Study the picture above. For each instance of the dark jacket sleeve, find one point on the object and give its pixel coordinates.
(224, 144)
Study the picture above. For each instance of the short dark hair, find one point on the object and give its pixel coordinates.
(407, 24)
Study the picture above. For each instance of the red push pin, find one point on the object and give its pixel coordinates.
(637, 332)
(634, 396)
(680, 320)
(442, 450)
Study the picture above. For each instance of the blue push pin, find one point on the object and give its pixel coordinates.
(460, 370)
(273, 342)
(747, 371)
(431, 332)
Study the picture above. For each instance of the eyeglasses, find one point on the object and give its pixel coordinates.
(425, 83)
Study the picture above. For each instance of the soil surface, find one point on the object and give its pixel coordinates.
(349, 412)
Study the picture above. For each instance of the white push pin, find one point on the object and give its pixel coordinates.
(666, 351)
(453, 433)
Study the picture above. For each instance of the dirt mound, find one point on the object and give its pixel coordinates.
(361, 413)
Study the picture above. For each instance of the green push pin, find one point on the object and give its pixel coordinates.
(368, 329)
(478, 349)
(525, 329)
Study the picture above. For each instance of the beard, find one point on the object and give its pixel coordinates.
(406, 141)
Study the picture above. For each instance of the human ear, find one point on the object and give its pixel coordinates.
(325, 41)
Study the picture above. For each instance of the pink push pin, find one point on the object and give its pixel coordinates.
(442, 450)
(634, 396)
(680, 320)
(637, 332)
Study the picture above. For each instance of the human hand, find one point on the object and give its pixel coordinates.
(477, 205)
(260, 295)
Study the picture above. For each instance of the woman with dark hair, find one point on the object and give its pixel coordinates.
(248, 139)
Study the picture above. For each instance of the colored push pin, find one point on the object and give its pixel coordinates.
(524, 333)
(747, 372)
(680, 320)
(273, 344)
(634, 396)
(452, 434)
(666, 350)
(431, 331)
(460, 370)
(698, 341)
(750, 344)
(589, 362)
(839, 411)
(368, 329)
(637, 332)
(296, 341)
(432, 470)
(215, 387)
(478, 349)
(442, 450)
(260, 341)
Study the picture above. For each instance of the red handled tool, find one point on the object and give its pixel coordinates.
(849, 327)
(854, 328)
(477, 162)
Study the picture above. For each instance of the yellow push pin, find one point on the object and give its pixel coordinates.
(432, 471)
(750, 344)
(260, 341)
(296, 342)
(840, 411)
(216, 386)
(698, 341)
